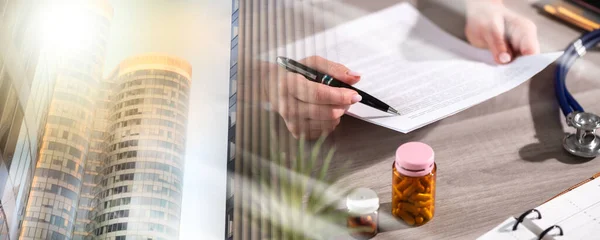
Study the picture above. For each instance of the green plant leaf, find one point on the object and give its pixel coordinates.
(314, 156)
(323, 174)
(287, 183)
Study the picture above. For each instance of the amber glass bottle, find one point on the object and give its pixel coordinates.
(413, 184)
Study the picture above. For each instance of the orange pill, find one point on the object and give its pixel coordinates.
(407, 218)
(410, 208)
(399, 206)
(398, 193)
(419, 220)
(423, 203)
(424, 182)
(421, 197)
(426, 213)
(420, 187)
(404, 183)
(408, 191)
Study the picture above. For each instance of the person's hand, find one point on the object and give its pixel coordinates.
(311, 109)
(492, 26)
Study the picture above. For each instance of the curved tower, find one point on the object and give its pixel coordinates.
(55, 193)
(141, 182)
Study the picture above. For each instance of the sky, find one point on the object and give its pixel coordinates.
(198, 31)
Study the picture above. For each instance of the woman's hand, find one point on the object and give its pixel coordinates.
(309, 108)
(506, 34)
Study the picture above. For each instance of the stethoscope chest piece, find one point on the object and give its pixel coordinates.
(584, 143)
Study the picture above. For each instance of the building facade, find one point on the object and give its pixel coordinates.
(27, 74)
(60, 169)
(232, 118)
(140, 186)
(84, 224)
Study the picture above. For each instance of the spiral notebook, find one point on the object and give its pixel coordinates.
(573, 214)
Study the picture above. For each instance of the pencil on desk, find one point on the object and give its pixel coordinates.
(571, 17)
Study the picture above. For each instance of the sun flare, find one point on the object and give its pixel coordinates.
(67, 27)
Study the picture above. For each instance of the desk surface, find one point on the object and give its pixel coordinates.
(496, 159)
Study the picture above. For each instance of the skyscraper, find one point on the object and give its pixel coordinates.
(59, 173)
(232, 118)
(140, 186)
(27, 74)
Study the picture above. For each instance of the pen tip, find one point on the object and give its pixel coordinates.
(391, 110)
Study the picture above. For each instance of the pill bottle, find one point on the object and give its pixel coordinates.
(413, 183)
(363, 216)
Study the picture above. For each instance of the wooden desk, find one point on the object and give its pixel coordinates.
(495, 160)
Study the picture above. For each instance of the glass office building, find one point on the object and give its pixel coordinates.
(27, 74)
(232, 118)
(140, 186)
(56, 187)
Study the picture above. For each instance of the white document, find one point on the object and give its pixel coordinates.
(414, 66)
(576, 212)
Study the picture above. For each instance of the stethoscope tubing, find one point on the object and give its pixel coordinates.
(567, 102)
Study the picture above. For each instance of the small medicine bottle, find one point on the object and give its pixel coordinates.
(363, 217)
(413, 183)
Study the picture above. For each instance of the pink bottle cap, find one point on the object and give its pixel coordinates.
(414, 159)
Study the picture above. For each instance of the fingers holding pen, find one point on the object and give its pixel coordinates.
(298, 110)
(297, 86)
(312, 108)
(336, 70)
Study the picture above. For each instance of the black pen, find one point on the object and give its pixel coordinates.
(315, 76)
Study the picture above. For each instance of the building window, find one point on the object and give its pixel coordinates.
(233, 85)
(235, 29)
(233, 70)
(235, 15)
(235, 41)
(230, 185)
(236, 5)
(229, 224)
(232, 116)
(234, 56)
(231, 150)
(11, 118)
(57, 221)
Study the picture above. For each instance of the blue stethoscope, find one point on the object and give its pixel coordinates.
(584, 142)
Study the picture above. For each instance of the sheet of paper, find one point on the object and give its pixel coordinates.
(414, 66)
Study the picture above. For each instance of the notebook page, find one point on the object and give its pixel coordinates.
(505, 231)
(577, 212)
(525, 230)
